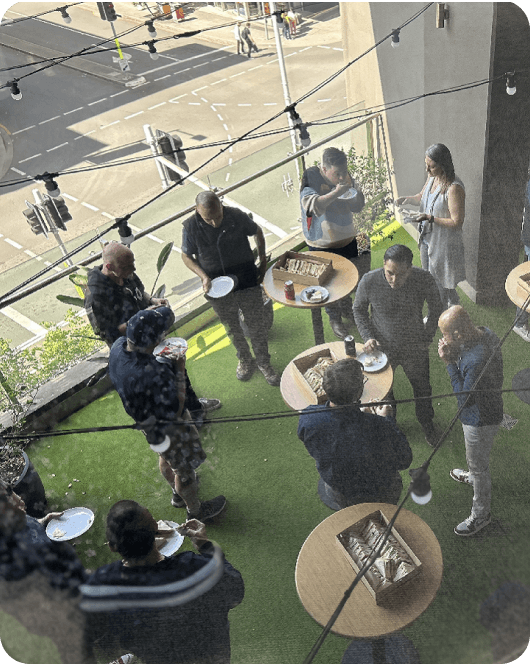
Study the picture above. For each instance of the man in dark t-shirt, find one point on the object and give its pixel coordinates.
(215, 242)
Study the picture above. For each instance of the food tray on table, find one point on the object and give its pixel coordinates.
(314, 294)
(302, 268)
(396, 565)
(311, 384)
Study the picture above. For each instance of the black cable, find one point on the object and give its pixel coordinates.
(27, 18)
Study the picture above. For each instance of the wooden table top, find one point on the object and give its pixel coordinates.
(511, 284)
(377, 386)
(323, 574)
(342, 281)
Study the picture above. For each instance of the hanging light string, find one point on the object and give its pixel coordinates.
(27, 18)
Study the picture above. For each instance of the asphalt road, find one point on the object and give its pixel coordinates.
(70, 120)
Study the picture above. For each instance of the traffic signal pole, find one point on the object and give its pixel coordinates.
(39, 201)
(153, 144)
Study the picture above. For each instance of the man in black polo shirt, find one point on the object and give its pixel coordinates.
(215, 243)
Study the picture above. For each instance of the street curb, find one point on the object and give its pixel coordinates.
(6, 151)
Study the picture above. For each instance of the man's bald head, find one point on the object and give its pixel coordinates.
(118, 260)
(210, 208)
(456, 325)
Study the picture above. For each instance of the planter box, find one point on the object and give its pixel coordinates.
(285, 275)
(370, 580)
(301, 365)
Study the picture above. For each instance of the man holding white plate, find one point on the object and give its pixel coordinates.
(216, 247)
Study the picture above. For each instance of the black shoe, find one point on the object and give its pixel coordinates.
(245, 369)
(209, 509)
(271, 375)
(338, 328)
(177, 501)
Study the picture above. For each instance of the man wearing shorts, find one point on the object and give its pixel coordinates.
(153, 394)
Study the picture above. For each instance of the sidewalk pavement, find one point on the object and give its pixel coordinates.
(314, 30)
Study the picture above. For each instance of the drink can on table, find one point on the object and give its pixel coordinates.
(289, 290)
(349, 346)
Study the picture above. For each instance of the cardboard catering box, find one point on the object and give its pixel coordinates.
(301, 365)
(284, 274)
(523, 285)
(372, 580)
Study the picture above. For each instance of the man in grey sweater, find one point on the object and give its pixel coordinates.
(388, 310)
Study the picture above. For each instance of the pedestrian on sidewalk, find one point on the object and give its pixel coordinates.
(286, 29)
(239, 38)
(248, 38)
(292, 22)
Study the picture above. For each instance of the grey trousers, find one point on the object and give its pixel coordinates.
(479, 441)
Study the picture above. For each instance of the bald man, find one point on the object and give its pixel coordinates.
(215, 242)
(465, 349)
(114, 294)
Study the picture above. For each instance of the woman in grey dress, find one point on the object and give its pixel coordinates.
(442, 209)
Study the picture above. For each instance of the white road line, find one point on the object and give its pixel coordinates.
(70, 198)
(30, 253)
(304, 49)
(17, 171)
(225, 127)
(28, 158)
(194, 103)
(221, 58)
(156, 106)
(272, 103)
(50, 119)
(83, 135)
(13, 243)
(201, 65)
(337, 49)
(110, 216)
(110, 124)
(57, 147)
(271, 61)
(90, 207)
(23, 321)
(240, 74)
(179, 97)
(74, 110)
(244, 104)
(230, 149)
(221, 81)
(230, 161)
(220, 117)
(161, 78)
(119, 93)
(181, 71)
(128, 117)
(252, 69)
(156, 239)
(328, 47)
(177, 249)
(227, 177)
(319, 100)
(194, 92)
(21, 130)
(288, 55)
(229, 137)
(204, 100)
(92, 103)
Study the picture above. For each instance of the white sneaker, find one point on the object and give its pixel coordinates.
(522, 331)
(471, 526)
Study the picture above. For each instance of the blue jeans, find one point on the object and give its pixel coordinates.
(479, 441)
(523, 320)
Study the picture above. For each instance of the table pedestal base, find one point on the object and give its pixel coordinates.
(318, 326)
(393, 650)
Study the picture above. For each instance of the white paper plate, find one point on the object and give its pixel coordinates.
(380, 361)
(74, 522)
(305, 295)
(221, 286)
(172, 347)
(348, 194)
(173, 543)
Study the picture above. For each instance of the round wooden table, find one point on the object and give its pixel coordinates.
(511, 284)
(376, 387)
(323, 574)
(342, 281)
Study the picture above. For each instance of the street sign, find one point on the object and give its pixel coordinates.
(124, 65)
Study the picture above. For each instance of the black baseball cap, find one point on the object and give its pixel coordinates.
(146, 327)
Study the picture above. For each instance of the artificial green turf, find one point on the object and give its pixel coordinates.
(270, 483)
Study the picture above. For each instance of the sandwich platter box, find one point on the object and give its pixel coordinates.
(280, 269)
(303, 364)
(523, 285)
(396, 565)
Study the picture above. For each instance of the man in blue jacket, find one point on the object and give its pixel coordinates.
(466, 350)
(358, 454)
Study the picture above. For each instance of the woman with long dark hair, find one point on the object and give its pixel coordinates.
(442, 210)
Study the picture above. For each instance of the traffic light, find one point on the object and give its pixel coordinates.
(171, 147)
(56, 212)
(35, 219)
(107, 11)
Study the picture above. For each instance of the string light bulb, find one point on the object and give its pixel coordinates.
(124, 231)
(420, 487)
(395, 39)
(15, 90)
(153, 54)
(510, 83)
(52, 188)
(305, 138)
(151, 29)
(65, 15)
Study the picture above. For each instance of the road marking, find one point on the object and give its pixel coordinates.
(70, 198)
(156, 239)
(110, 216)
(17, 171)
(337, 49)
(230, 149)
(193, 57)
(128, 117)
(28, 158)
(21, 130)
(177, 249)
(221, 58)
(328, 47)
(57, 147)
(156, 106)
(92, 103)
(13, 243)
(117, 93)
(83, 135)
(244, 104)
(319, 100)
(194, 103)
(304, 49)
(240, 74)
(225, 127)
(172, 101)
(75, 109)
(227, 176)
(182, 71)
(194, 92)
(90, 207)
(200, 65)
(229, 137)
(221, 81)
(23, 321)
(110, 124)
(273, 103)
(252, 69)
(50, 119)
(161, 78)
(220, 117)
(230, 161)
(204, 100)
(217, 105)
(30, 253)
(288, 55)
(270, 63)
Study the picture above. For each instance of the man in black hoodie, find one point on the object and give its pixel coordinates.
(115, 293)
